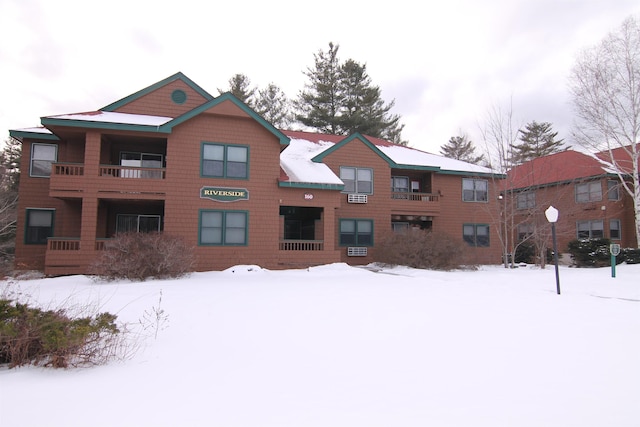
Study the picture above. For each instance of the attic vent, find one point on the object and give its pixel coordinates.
(357, 198)
(357, 251)
(178, 96)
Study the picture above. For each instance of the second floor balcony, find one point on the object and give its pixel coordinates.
(72, 179)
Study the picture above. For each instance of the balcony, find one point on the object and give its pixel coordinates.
(425, 203)
(70, 180)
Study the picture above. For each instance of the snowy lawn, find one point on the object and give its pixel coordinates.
(344, 346)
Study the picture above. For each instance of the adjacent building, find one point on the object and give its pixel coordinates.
(173, 158)
(585, 190)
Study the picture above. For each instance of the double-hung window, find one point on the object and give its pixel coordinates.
(476, 234)
(525, 231)
(39, 226)
(475, 190)
(225, 161)
(399, 187)
(42, 157)
(400, 184)
(613, 190)
(223, 228)
(614, 229)
(589, 192)
(357, 180)
(356, 232)
(526, 200)
(590, 229)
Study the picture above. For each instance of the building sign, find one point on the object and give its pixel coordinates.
(308, 196)
(224, 194)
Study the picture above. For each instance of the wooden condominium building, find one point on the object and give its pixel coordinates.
(173, 158)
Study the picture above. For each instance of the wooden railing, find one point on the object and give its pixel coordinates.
(73, 169)
(418, 197)
(301, 245)
(63, 244)
(131, 172)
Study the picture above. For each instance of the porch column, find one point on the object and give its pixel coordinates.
(92, 155)
(90, 200)
(89, 224)
(329, 232)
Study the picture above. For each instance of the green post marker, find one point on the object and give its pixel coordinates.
(614, 249)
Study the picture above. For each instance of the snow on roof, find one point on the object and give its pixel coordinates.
(412, 157)
(35, 129)
(114, 117)
(296, 162)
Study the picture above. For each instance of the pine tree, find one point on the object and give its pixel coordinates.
(10, 163)
(272, 104)
(461, 148)
(340, 99)
(364, 110)
(240, 87)
(538, 140)
(319, 102)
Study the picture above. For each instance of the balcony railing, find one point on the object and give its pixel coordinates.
(131, 172)
(72, 169)
(63, 244)
(417, 197)
(301, 245)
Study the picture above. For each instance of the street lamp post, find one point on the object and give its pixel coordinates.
(552, 216)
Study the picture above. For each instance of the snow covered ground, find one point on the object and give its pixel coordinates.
(345, 346)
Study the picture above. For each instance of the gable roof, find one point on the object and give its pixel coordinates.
(563, 167)
(302, 164)
(142, 92)
(397, 156)
(106, 118)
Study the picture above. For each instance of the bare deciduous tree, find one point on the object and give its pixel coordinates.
(605, 85)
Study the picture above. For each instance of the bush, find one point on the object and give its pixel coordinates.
(525, 253)
(140, 256)
(30, 335)
(592, 253)
(420, 249)
(630, 255)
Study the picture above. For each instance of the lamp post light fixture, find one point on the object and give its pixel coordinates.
(552, 216)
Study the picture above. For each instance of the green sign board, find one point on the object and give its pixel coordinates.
(224, 194)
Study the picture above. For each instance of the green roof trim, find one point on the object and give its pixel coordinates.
(320, 157)
(311, 185)
(227, 96)
(21, 134)
(471, 173)
(178, 76)
(49, 121)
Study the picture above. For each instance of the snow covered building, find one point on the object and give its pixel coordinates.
(173, 158)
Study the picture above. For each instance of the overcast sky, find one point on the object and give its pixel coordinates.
(445, 63)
